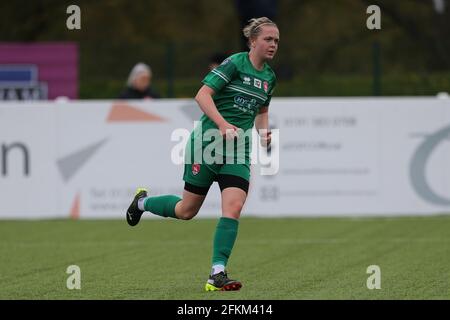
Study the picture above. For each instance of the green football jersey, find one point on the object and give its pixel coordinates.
(240, 91)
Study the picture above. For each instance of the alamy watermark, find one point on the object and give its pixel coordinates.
(74, 280)
(211, 147)
(374, 20)
(374, 280)
(74, 20)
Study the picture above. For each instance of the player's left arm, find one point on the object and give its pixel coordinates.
(262, 126)
(262, 118)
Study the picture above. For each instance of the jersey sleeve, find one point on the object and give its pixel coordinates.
(270, 93)
(221, 75)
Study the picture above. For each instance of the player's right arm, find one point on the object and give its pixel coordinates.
(206, 103)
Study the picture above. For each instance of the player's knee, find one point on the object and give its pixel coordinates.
(185, 216)
(234, 206)
(188, 213)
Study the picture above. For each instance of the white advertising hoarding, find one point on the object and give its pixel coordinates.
(337, 156)
(27, 162)
(357, 157)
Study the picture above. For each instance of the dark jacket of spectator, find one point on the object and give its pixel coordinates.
(132, 93)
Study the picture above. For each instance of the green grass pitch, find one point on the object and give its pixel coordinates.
(286, 258)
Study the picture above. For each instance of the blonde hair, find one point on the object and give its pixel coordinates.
(253, 28)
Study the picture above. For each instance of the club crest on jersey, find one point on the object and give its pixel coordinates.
(266, 86)
(257, 83)
(195, 169)
(247, 80)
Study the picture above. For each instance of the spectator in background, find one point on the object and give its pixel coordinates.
(139, 84)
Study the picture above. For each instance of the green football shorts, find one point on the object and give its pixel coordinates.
(203, 175)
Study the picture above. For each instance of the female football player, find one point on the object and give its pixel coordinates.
(235, 96)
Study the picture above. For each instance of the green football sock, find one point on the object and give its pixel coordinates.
(226, 233)
(163, 206)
